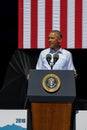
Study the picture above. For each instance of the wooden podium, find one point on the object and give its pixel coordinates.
(51, 110)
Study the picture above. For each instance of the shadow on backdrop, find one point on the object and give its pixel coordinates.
(13, 92)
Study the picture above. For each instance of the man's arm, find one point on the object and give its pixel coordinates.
(39, 62)
(71, 65)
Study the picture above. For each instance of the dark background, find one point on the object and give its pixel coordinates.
(8, 34)
(9, 43)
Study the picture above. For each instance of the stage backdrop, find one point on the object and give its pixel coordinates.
(36, 18)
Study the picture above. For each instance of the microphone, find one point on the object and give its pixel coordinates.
(48, 58)
(55, 58)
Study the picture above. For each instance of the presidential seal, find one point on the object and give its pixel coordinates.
(51, 83)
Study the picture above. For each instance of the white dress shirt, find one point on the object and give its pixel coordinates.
(65, 61)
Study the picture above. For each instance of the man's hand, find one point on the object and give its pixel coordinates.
(27, 76)
(75, 74)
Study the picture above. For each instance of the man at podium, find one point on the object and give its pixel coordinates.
(55, 57)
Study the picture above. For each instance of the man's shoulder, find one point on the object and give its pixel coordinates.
(45, 50)
(66, 51)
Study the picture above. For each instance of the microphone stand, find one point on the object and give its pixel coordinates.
(51, 65)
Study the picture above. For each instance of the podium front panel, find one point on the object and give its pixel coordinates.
(66, 92)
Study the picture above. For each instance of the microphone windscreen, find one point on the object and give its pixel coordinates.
(48, 57)
(55, 57)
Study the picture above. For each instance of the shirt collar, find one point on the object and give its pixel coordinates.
(59, 51)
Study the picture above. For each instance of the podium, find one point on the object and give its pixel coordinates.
(51, 110)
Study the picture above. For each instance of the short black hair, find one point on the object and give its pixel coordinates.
(58, 33)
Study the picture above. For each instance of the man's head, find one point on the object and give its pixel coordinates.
(55, 37)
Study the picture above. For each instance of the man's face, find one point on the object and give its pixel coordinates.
(53, 40)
